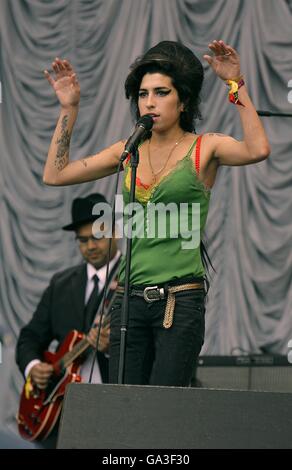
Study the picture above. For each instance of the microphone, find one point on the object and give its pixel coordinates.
(143, 126)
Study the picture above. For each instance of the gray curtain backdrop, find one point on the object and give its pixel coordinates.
(249, 225)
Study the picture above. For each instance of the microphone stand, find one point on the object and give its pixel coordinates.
(270, 114)
(134, 156)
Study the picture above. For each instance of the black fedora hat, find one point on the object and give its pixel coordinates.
(82, 210)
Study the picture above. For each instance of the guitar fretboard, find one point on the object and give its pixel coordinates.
(82, 345)
(70, 356)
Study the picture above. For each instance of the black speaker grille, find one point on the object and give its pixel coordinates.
(259, 373)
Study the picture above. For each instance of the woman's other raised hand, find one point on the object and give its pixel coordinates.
(65, 83)
(225, 60)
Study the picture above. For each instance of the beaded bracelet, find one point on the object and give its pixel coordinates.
(234, 86)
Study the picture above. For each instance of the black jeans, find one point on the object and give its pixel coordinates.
(156, 355)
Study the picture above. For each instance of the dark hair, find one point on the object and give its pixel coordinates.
(182, 66)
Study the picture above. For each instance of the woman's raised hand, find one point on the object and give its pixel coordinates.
(65, 83)
(225, 61)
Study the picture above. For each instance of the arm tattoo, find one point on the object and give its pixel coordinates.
(84, 160)
(63, 144)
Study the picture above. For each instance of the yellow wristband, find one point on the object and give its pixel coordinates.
(237, 79)
(233, 90)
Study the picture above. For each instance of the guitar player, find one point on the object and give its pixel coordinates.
(70, 302)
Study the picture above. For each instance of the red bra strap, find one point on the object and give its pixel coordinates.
(197, 156)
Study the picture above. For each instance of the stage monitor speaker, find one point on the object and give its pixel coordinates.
(146, 417)
(256, 372)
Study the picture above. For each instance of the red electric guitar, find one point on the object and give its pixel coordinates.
(39, 410)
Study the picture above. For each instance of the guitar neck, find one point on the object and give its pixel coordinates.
(70, 356)
(82, 345)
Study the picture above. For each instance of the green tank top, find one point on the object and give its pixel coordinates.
(166, 237)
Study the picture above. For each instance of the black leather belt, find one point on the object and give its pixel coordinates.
(150, 294)
(154, 293)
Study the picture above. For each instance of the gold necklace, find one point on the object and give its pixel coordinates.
(154, 175)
